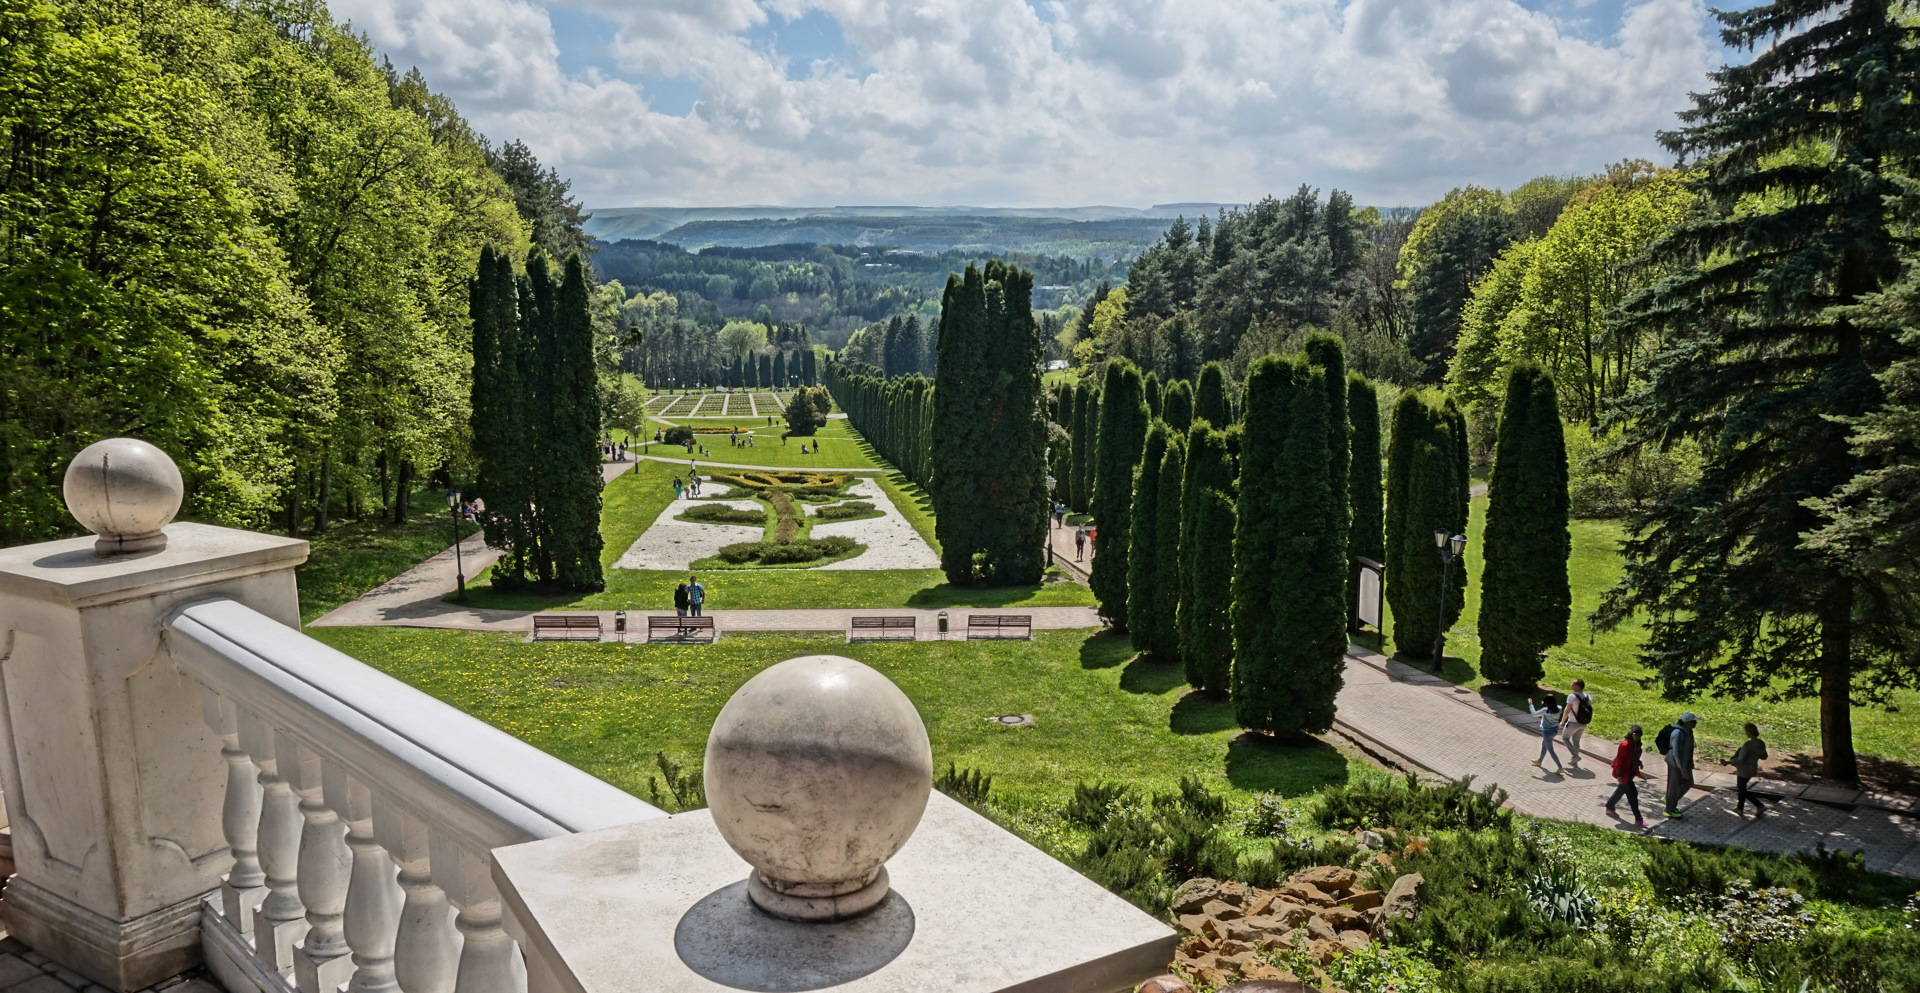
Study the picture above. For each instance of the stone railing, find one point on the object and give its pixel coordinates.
(357, 809)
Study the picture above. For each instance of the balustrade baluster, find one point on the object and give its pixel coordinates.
(281, 920)
(489, 961)
(426, 947)
(320, 963)
(244, 886)
(373, 895)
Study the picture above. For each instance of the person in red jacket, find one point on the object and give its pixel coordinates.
(1626, 765)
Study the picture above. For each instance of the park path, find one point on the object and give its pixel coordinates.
(710, 462)
(1450, 731)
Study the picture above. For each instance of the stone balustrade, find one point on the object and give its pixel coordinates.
(360, 813)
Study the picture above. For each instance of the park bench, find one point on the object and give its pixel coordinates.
(996, 626)
(680, 628)
(566, 627)
(883, 629)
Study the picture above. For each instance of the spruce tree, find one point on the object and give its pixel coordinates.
(1123, 431)
(1206, 560)
(1424, 493)
(1165, 613)
(1210, 397)
(1143, 594)
(1798, 153)
(1176, 406)
(1524, 593)
(1363, 488)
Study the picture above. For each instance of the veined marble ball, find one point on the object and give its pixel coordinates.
(124, 490)
(817, 771)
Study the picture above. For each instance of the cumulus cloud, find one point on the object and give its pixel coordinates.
(1060, 101)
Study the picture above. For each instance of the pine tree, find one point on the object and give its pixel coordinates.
(1524, 593)
(1123, 431)
(1165, 612)
(1143, 594)
(1363, 488)
(1425, 492)
(1206, 554)
(1176, 406)
(1210, 397)
(1798, 152)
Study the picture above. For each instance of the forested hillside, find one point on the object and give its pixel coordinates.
(227, 229)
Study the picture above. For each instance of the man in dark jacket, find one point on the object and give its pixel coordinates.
(680, 599)
(1626, 766)
(1680, 762)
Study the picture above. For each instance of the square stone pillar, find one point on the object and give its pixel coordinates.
(113, 783)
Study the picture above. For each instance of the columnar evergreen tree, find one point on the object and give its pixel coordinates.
(1425, 492)
(570, 462)
(1210, 401)
(989, 475)
(1799, 153)
(1176, 406)
(1289, 580)
(1325, 352)
(1363, 489)
(1086, 435)
(1123, 431)
(1151, 384)
(1143, 594)
(1163, 618)
(1206, 553)
(1524, 593)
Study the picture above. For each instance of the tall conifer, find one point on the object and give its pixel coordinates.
(1123, 432)
(1524, 593)
(1210, 402)
(1206, 559)
(1143, 578)
(1176, 406)
(1364, 493)
(1168, 585)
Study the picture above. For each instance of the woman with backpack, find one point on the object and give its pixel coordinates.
(1549, 714)
(1574, 723)
(1626, 765)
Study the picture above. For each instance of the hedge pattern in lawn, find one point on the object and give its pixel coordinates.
(720, 513)
(852, 510)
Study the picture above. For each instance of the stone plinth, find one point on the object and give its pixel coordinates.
(113, 782)
(662, 904)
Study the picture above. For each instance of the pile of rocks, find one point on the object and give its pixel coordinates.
(1230, 928)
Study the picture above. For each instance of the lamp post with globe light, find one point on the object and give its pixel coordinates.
(459, 567)
(1450, 546)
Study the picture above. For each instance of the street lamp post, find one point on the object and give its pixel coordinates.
(1450, 547)
(459, 566)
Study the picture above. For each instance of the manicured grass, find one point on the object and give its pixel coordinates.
(633, 501)
(1626, 692)
(608, 708)
(840, 447)
(354, 556)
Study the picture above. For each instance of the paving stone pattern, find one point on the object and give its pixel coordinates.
(23, 970)
(1451, 731)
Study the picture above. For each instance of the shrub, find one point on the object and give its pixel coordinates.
(1602, 482)
(1701, 875)
(969, 786)
(789, 553)
(720, 513)
(687, 787)
(1749, 918)
(1410, 805)
(1558, 895)
(679, 434)
(1139, 850)
(845, 511)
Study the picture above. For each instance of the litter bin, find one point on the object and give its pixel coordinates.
(620, 624)
(943, 622)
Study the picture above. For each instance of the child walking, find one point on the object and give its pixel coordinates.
(1549, 714)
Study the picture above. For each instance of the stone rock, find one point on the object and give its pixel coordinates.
(1376, 918)
(1403, 897)
(1221, 910)
(1258, 901)
(1330, 878)
(1246, 930)
(1234, 949)
(1191, 923)
(1354, 940)
(1324, 952)
(1285, 983)
(1320, 929)
(1302, 892)
(1164, 984)
(1193, 894)
(1234, 893)
(1364, 899)
(1214, 928)
(1292, 914)
(1343, 919)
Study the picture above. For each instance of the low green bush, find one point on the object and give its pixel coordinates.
(713, 513)
(679, 434)
(1409, 805)
(788, 553)
(845, 511)
(969, 786)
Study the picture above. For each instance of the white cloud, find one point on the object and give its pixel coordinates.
(1081, 101)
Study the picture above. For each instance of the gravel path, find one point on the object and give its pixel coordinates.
(891, 542)
(671, 544)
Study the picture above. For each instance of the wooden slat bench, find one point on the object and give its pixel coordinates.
(566, 627)
(883, 629)
(997, 626)
(680, 628)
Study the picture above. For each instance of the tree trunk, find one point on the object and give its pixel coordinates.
(293, 505)
(403, 492)
(320, 514)
(1836, 686)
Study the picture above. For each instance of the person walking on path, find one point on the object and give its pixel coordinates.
(1079, 544)
(680, 599)
(1573, 723)
(676, 487)
(1626, 766)
(1746, 765)
(1549, 714)
(696, 596)
(1679, 761)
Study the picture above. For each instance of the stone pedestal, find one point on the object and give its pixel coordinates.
(113, 782)
(662, 904)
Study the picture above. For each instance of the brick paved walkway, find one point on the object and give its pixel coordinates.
(23, 970)
(1451, 732)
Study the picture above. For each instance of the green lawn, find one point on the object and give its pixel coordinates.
(608, 708)
(1625, 692)
(840, 446)
(354, 556)
(633, 501)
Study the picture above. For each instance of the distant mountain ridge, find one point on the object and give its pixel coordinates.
(747, 226)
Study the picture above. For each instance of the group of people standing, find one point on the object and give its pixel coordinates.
(1567, 725)
(689, 597)
(691, 487)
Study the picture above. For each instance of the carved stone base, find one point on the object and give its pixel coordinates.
(121, 955)
(230, 956)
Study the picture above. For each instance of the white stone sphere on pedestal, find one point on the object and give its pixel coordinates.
(126, 491)
(817, 771)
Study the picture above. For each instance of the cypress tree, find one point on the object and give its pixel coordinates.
(1165, 613)
(1086, 435)
(1210, 397)
(1424, 493)
(539, 320)
(959, 396)
(1524, 593)
(1206, 553)
(1363, 488)
(780, 368)
(1123, 431)
(572, 459)
(1325, 352)
(1176, 406)
(1151, 383)
(1143, 594)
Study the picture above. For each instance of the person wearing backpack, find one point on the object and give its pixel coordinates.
(1549, 714)
(1746, 765)
(1679, 752)
(680, 599)
(1573, 723)
(1626, 765)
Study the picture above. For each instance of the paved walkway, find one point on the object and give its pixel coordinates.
(23, 970)
(1060, 543)
(1451, 731)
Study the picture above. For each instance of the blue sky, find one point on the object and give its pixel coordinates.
(1051, 102)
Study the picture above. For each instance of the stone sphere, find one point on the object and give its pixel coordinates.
(817, 771)
(125, 491)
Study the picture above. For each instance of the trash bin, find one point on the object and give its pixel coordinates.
(943, 622)
(620, 624)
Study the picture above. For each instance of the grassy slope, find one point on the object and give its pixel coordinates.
(353, 557)
(1624, 691)
(608, 708)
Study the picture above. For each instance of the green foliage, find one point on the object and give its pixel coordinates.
(1426, 490)
(1365, 498)
(852, 510)
(803, 413)
(1210, 402)
(1162, 617)
(1176, 406)
(720, 513)
(1143, 574)
(1206, 538)
(1559, 896)
(1608, 480)
(686, 787)
(1452, 245)
(969, 786)
(1123, 433)
(1140, 850)
(1525, 595)
(679, 434)
(789, 552)
(1412, 806)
